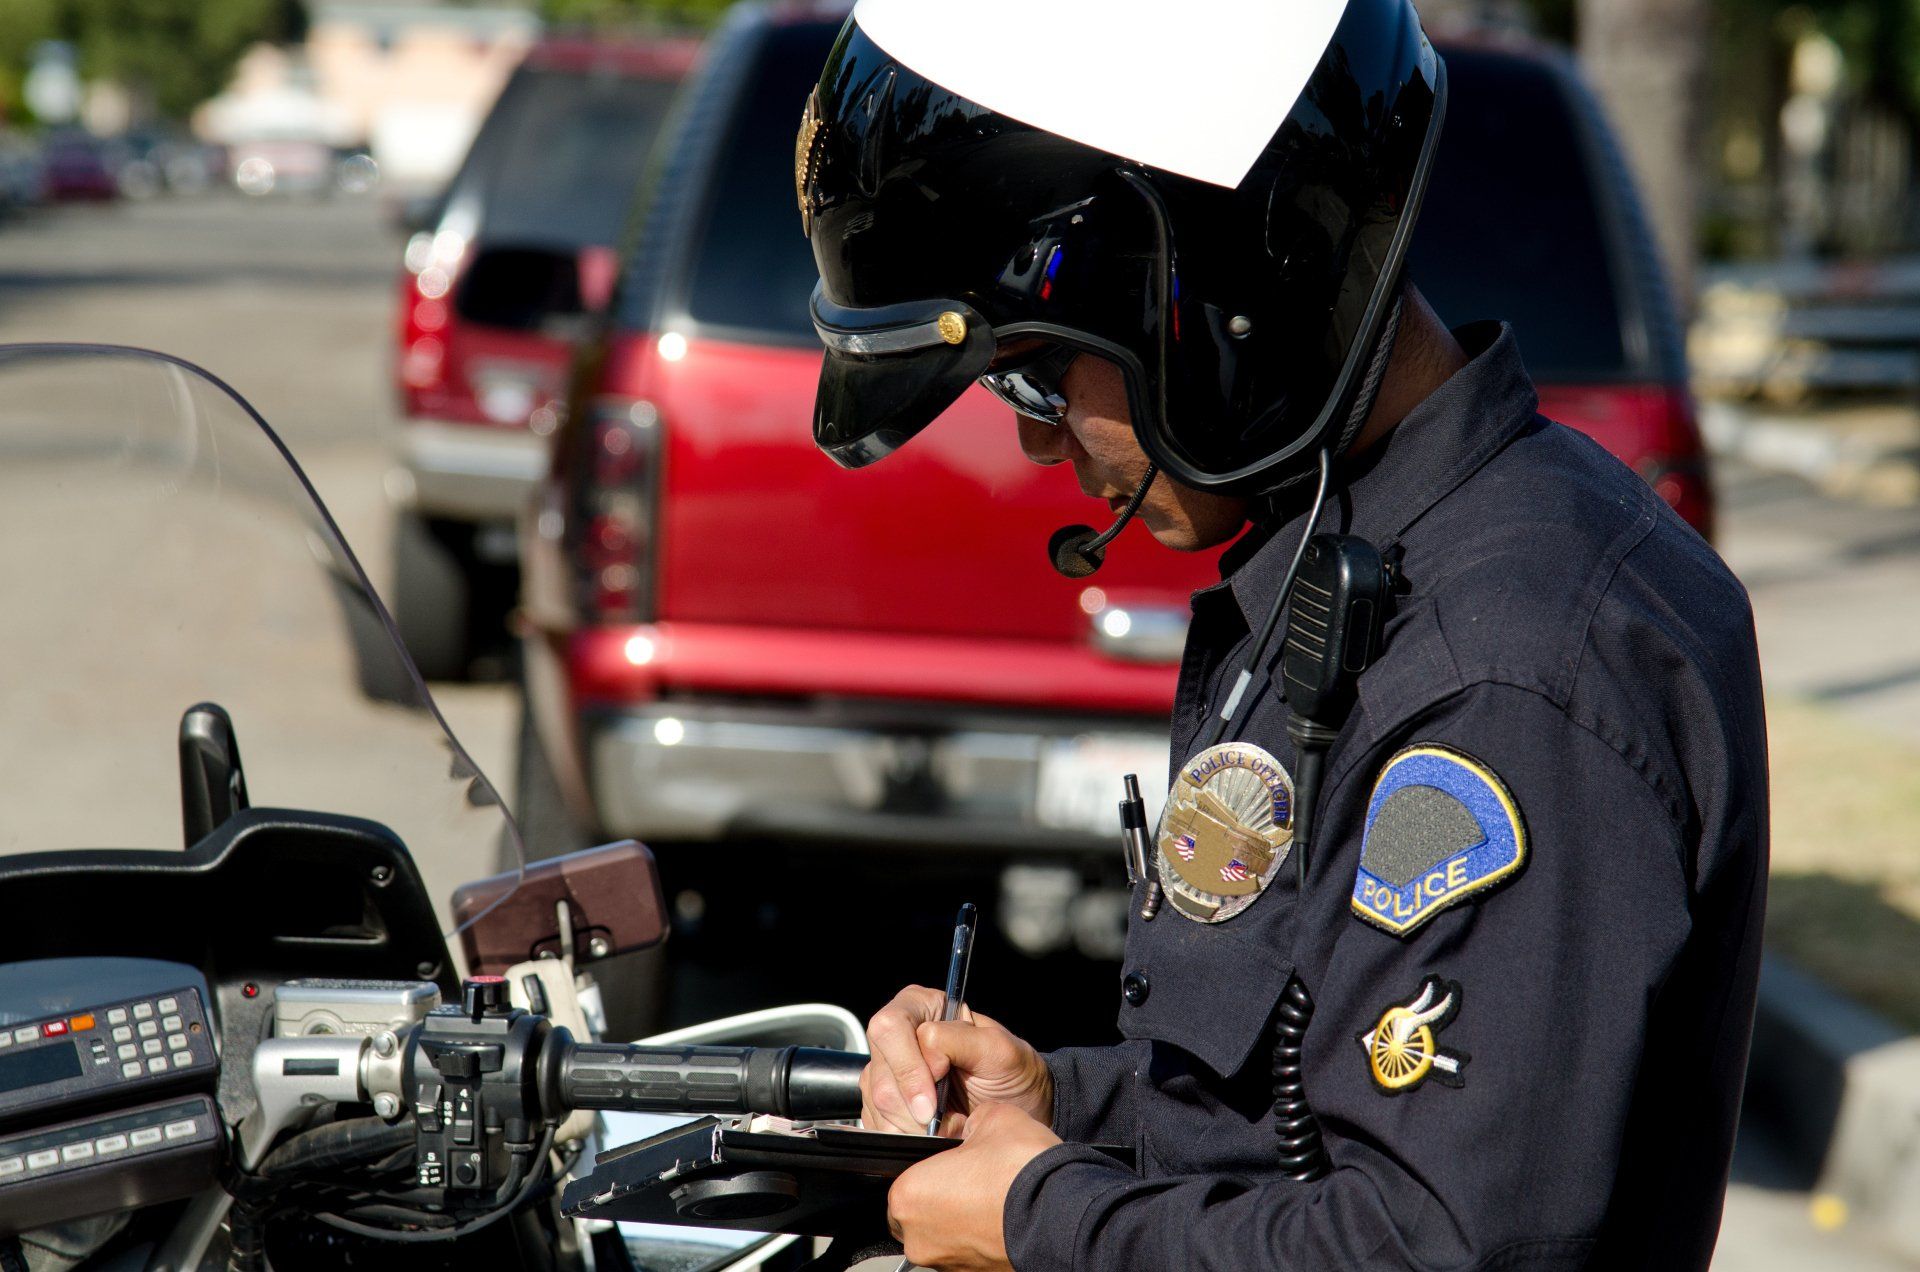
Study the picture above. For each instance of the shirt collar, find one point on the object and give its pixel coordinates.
(1442, 442)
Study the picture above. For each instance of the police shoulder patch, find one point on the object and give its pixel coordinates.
(1403, 1050)
(1440, 828)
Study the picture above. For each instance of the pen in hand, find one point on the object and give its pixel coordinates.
(959, 958)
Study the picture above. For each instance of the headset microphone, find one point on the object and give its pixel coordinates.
(1077, 551)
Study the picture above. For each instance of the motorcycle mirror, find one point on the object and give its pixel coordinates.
(213, 786)
(586, 906)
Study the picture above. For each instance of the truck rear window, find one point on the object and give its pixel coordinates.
(1511, 229)
(557, 161)
(753, 269)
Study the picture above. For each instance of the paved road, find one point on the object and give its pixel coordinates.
(1836, 594)
(290, 302)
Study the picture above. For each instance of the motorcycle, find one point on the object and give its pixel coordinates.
(238, 1036)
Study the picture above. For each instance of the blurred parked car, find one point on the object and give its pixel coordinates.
(1532, 217)
(21, 180)
(76, 167)
(286, 166)
(355, 171)
(151, 161)
(494, 292)
(734, 648)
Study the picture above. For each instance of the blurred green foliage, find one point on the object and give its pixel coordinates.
(23, 24)
(173, 53)
(1880, 38)
(666, 13)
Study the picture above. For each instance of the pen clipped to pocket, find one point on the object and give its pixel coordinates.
(1133, 844)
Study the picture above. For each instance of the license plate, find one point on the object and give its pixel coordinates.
(1080, 781)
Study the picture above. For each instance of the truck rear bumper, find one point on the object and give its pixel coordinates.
(701, 772)
(470, 472)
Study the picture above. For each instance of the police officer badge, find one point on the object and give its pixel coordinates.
(1227, 825)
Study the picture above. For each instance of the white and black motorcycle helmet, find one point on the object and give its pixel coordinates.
(1216, 195)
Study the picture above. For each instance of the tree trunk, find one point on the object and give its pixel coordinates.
(1647, 60)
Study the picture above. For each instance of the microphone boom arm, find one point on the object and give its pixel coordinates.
(1076, 551)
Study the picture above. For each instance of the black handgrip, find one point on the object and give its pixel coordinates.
(804, 1083)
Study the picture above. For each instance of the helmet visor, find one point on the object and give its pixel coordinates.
(890, 372)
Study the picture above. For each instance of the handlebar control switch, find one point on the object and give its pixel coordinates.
(482, 996)
(471, 1081)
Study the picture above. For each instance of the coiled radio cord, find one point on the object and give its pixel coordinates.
(1303, 1155)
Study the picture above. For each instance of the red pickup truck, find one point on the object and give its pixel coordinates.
(730, 639)
(495, 282)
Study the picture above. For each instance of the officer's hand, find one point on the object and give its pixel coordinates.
(947, 1211)
(913, 1049)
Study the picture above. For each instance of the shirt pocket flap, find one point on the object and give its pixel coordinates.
(1210, 989)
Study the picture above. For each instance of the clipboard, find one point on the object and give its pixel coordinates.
(714, 1173)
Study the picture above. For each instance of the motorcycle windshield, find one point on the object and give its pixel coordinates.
(160, 548)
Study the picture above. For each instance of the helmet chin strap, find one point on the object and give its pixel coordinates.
(1076, 551)
(1282, 502)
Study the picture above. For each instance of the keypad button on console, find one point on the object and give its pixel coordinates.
(11, 1166)
(123, 1034)
(151, 1046)
(128, 1051)
(181, 1059)
(157, 1065)
(42, 1159)
(176, 1041)
(180, 1130)
(110, 1144)
(148, 1029)
(145, 1137)
(143, 1011)
(117, 1015)
(171, 1024)
(169, 1005)
(77, 1152)
(26, 1034)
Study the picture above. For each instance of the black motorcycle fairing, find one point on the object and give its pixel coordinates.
(271, 895)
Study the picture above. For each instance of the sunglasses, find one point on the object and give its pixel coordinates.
(1032, 386)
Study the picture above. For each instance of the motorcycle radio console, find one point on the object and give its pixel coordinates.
(105, 1069)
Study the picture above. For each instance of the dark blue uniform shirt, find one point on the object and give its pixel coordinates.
(1563, 633)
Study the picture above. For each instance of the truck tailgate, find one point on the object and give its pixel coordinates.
(948, 537)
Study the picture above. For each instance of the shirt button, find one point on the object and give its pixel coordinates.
(1134, 988)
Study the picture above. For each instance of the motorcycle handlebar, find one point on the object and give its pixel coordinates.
(803, 1083)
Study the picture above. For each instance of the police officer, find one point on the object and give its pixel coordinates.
(1497, 1014)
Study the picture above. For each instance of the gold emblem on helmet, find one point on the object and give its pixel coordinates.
(806, 161)
(953, 327)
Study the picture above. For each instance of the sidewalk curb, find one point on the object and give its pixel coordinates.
(1842, 1085)
(1849, 465)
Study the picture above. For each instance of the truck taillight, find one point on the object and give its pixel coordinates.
(1685, 487)
(1678, 469)
(432, 261)
(614, 537)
